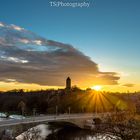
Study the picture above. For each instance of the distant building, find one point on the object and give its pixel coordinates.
(68, 84)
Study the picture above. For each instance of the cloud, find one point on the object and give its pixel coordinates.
(10, 80)
(28, 58)
(13, 59)
(16, 27)
(129, 85)
(1, 24)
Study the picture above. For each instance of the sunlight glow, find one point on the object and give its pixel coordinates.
(97, 87)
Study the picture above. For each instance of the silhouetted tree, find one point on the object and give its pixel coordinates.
(22, 107)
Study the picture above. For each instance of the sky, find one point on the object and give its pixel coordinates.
(98, 45)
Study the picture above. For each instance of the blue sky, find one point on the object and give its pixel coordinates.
(108, 31)
(105, 28)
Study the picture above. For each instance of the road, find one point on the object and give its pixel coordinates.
(45, 118)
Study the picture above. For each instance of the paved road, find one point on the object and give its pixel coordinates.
(46, 118)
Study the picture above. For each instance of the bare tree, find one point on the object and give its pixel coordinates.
(22, 106)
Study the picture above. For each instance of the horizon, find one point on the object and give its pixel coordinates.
(98, 46)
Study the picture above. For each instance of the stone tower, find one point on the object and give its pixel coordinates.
(68, 83)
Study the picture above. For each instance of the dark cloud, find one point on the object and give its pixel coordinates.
(129, 85)
(28, 58)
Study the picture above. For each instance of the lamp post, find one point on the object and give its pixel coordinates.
(69, 110)
(56, 110)
(34, 111)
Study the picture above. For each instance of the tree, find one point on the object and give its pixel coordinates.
(22, 107)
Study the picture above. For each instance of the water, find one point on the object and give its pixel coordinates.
(79, 134)
(45, 132)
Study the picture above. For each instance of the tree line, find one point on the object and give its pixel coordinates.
(59, 101)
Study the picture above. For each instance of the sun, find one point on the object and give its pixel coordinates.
(97, 87)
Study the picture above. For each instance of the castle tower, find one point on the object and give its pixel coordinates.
(68, 83)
